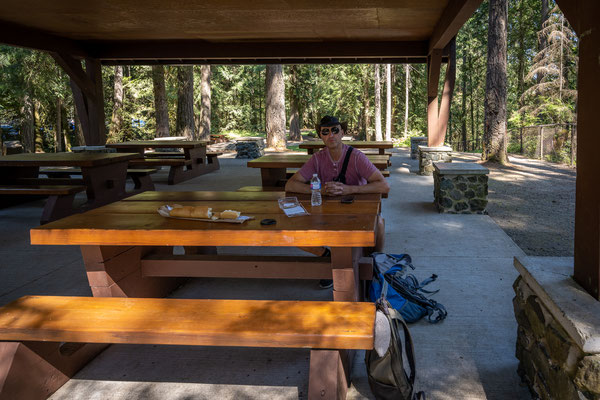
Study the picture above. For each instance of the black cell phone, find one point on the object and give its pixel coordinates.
(347, 200)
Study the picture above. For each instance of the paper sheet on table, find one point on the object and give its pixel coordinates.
(290, 212)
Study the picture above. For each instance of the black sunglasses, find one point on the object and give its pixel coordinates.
(335, 130)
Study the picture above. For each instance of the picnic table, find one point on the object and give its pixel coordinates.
(124, 253)
(189, 163)
(315, 145)
(273, 166)
(103, 178)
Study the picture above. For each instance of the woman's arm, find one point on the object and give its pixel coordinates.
(376, 184)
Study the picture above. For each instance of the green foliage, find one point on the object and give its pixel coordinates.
(345, 90)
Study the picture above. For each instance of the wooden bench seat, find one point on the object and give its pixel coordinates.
(157, 162)
(57, 172)
(141, 179)
(167, 154)
(60, 198)
(317, 325)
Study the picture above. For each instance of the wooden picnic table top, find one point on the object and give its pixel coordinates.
(317, 144)
(64, 159)
(239, 196)
(138, 224)
(137, 144)
(249, 207)
(298, 160)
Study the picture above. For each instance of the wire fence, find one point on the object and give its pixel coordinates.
(552, 142)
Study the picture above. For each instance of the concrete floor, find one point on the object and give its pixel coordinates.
(470, 355)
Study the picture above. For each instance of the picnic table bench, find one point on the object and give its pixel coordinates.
(191, 162)
(102, 177)
(127, 252)
(140, 176)
(273, 167)
(318, 325)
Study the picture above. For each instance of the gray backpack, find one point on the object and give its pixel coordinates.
(387, 378)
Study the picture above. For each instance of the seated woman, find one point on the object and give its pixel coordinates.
(361, 175)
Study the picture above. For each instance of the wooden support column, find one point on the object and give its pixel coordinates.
(434, 64)
(583, 17)
(87, 94)
(437, 116)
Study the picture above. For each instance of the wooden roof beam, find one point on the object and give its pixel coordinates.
(238, 52)
(455, 15)
(22, 36)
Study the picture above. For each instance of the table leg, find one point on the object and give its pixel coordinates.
(381, 151)
(115, 271)
(329, 374)
(105, 183)
(330, 369)
(44, 366)
(272, 176)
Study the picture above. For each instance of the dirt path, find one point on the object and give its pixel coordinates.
(533, 201)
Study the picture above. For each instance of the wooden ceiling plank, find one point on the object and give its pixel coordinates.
(455, 15)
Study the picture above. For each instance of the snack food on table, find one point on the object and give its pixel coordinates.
(229, 214)
(191, 211)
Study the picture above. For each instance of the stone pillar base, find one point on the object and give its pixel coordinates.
(460, 188)
(558, 335)
(250, 148)
(427, 155)
(415, 142)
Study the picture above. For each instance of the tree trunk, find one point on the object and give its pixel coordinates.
(275, 107)
(494, 144)
(78, 128)
(27, 125)
(406, 97)
(366, 106)
(205, 99)
(294, 102)
(58, 137)
(117, 115)
(388, 103)
(464, 102)
(161, 110)
(185, 102)
(378, 135)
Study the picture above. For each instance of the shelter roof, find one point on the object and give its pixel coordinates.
(230, 31)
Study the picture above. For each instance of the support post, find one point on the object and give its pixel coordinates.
(438, 115)
(582, 15)
(87, 94)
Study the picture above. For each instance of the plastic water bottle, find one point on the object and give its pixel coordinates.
(315, 188)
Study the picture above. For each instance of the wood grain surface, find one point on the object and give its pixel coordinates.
(153, 230)
(64, 159)
(305, 324)
(245, 207)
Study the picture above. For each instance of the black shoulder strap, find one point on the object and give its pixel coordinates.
(342, 176)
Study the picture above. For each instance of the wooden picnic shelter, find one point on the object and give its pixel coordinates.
(83, 36)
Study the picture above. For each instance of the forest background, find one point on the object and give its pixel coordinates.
(142, 102)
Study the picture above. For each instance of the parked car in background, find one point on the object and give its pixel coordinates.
(9, 132)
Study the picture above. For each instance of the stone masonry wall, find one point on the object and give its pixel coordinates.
(460, 194)
(550, 362)
(415, 142)
(427, 158)
(249, 148)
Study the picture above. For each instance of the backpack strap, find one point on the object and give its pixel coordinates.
(342, 176)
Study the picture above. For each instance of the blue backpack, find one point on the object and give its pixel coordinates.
(403, 291)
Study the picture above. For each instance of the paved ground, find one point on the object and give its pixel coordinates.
(468, 356)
